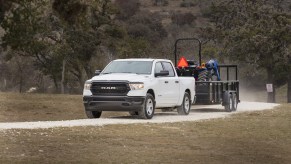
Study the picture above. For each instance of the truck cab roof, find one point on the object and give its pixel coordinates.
(141, 59)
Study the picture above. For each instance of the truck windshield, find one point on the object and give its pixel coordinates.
(137, 67)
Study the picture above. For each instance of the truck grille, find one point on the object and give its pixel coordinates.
(110, 88)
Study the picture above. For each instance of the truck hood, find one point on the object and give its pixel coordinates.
(121, 77)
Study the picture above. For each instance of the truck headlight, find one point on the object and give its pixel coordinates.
(87, 86)
(136, 86)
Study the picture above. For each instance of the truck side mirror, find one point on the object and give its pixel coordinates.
(162, 73)
(97, 72)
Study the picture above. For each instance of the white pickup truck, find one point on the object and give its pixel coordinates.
(138, 86)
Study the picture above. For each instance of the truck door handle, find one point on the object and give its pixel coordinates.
(166, 82)
(176, 81)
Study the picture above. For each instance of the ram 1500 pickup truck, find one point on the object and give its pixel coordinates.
(138, 86)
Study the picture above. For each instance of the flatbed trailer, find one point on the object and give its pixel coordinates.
(224, 91)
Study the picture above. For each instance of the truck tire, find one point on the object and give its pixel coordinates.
(185, 108)
(93, 114)
(148, 110)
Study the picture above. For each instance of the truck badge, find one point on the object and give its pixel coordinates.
(109, 88)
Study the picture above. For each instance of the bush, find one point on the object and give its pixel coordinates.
(127, 8)
(187, 4)
(206, 12)
(183, 18)
(161, 2)
(147, 25)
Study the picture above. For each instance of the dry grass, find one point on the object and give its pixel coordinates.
(42, 107)
(53, 107)
(248, 94)
(258, 137)
(39, 107)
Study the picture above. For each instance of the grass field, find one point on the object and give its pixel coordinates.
(16, 107)
(257, 137)
(53, 107)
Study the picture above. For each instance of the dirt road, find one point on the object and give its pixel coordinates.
(199, 112)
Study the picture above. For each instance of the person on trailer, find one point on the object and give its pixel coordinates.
(212, 67)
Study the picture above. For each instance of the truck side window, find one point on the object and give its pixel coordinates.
(158, 67)
(169, 67)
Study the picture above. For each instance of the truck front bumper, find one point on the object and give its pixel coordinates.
(113, 103)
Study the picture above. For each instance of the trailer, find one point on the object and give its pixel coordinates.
(216, 85)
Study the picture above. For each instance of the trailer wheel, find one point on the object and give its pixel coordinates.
(229, 106)
(185, 108)
(234, 102)
(93, 114)
(148, 110)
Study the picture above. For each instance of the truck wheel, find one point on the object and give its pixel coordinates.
(93, 114)
(148, 109)
(229, 106)
(185, 108)
(133, 113)
(234, 102)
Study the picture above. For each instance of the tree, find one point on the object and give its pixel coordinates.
(28, 34)
(256, 32)
(146, 25)
(84, 29)
(289, 80)
(4, 6)
(127, 8)
(61, 36)
(142, 34)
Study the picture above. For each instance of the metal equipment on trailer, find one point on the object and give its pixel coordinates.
(211, 87)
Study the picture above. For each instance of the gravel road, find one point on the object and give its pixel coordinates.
(199, 112)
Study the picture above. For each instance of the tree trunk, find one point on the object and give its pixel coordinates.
(88, 71)
(271, 95)
(20, 70)
(78, 75)
(63, 77)
(56, 84)
(20, 83)
(289, 90)
(5, 84)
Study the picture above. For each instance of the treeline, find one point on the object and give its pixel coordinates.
(56, 45)
(257, 33)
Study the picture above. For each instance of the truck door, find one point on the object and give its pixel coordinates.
(172, 86)
(161, 87)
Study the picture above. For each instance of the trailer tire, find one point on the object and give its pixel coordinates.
(234, 102)
(185, 108)
(229, 105)
(148, 110)
(93, 114)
